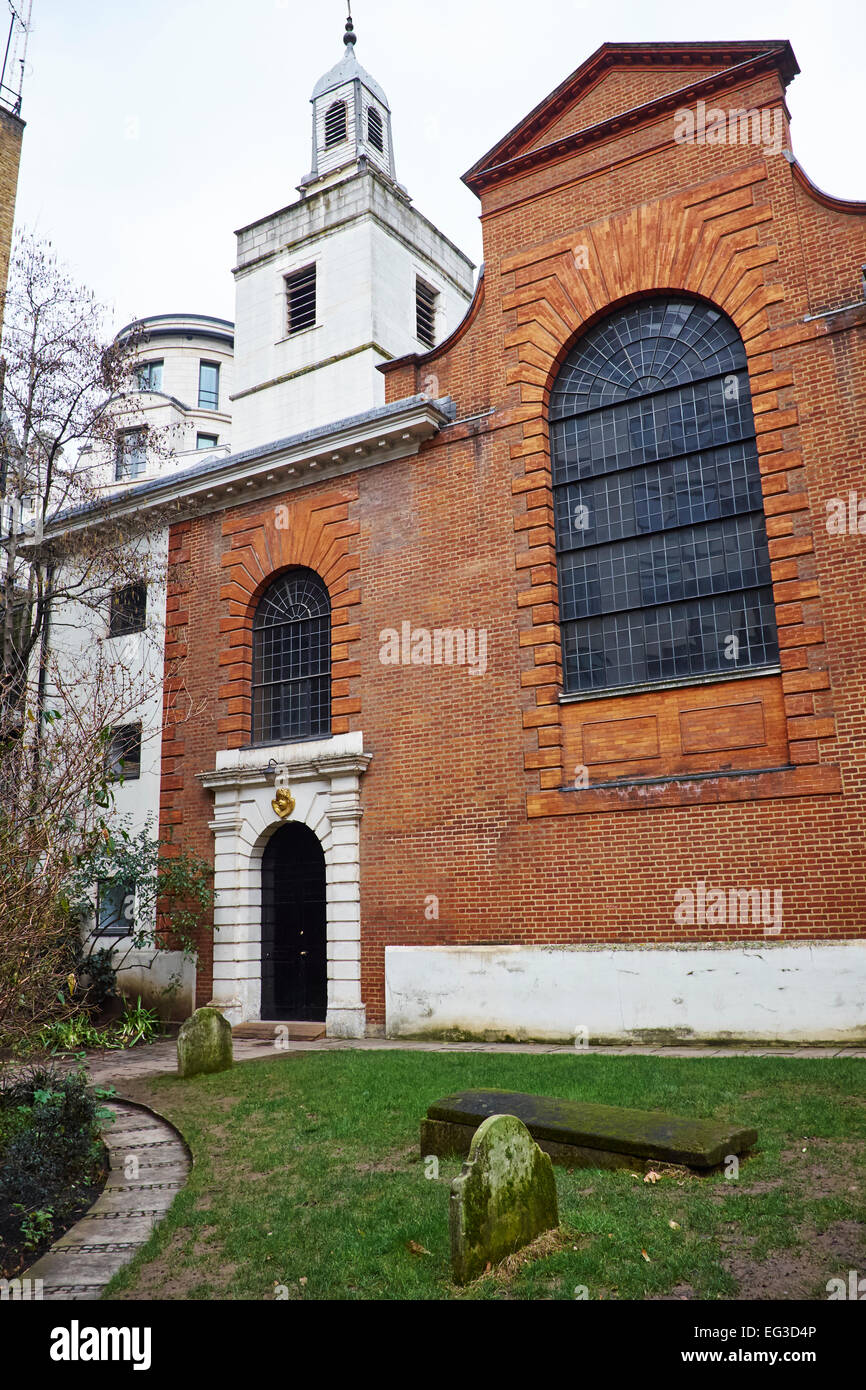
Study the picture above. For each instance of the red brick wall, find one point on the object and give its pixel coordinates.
(464, 798)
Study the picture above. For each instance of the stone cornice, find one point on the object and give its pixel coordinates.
(511, 158)
(854, 207)
(340, 756)
(337, 766)
(388, 432)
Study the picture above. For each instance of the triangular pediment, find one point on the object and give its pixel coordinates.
(626, 80)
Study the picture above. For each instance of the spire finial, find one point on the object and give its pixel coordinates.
(350, 36)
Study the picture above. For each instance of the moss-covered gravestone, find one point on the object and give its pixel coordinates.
(204, 1043)
(503, 1199)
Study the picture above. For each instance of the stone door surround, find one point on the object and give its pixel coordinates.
(323, 778)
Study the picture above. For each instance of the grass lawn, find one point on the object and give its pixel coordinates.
(307, 1175)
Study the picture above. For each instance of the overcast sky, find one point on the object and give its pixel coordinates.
(155, 130)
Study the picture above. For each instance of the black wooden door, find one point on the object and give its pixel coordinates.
(294, 955)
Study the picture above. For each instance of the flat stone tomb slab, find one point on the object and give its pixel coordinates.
(585, 1134)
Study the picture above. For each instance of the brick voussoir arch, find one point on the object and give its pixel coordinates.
(310, 532)
(709, 243)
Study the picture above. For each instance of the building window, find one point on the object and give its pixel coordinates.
(208, 386)
(664, 571)
(425, 313)
(123, 752)
(115, 907)
(149, 376)
(130, 457)
(301, 299)
(206, 441)
(128, 610)
(292, 660)
(375, 130)
(336, 124)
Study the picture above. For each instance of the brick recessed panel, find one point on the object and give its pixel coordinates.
(723, 728)
(621, 740)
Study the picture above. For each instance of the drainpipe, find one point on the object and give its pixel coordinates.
(44, 645)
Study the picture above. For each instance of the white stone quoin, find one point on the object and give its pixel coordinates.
(324, 778)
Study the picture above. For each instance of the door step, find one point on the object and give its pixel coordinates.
(268, 1031)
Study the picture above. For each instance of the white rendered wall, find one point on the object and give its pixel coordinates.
(78, 640)
(173, 413)
(181, 357)
(762, 992)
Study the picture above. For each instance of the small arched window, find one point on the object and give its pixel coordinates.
(292, 660)
(664, 570)
(375, 130)
(335, 124)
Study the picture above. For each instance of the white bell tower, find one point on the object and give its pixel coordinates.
(351, 118)
(343, 279)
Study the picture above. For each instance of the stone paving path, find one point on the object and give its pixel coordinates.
(162, 1056)
(149, 1166)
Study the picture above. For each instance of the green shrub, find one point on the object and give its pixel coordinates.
(72, 1034)
(36, 1227)
(50, 1150)
(135, 1025)
(96, 976)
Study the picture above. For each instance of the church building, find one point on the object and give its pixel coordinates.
(521, 625)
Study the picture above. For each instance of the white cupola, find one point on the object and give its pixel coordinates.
(351, 118)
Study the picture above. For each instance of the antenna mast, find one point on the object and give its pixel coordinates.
(15, 55)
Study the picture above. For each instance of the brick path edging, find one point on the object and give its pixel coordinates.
(149, 1163)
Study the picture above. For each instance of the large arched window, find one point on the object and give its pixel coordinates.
(664, 573)
(292, 659)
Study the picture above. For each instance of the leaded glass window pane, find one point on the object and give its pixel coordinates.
(660, 532)
(292, 660)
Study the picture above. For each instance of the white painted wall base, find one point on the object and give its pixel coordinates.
(760, 992)
(155, 983)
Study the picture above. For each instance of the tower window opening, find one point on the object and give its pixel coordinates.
(425, 313)
(336, 124)
(375, 130)
(301, 299)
